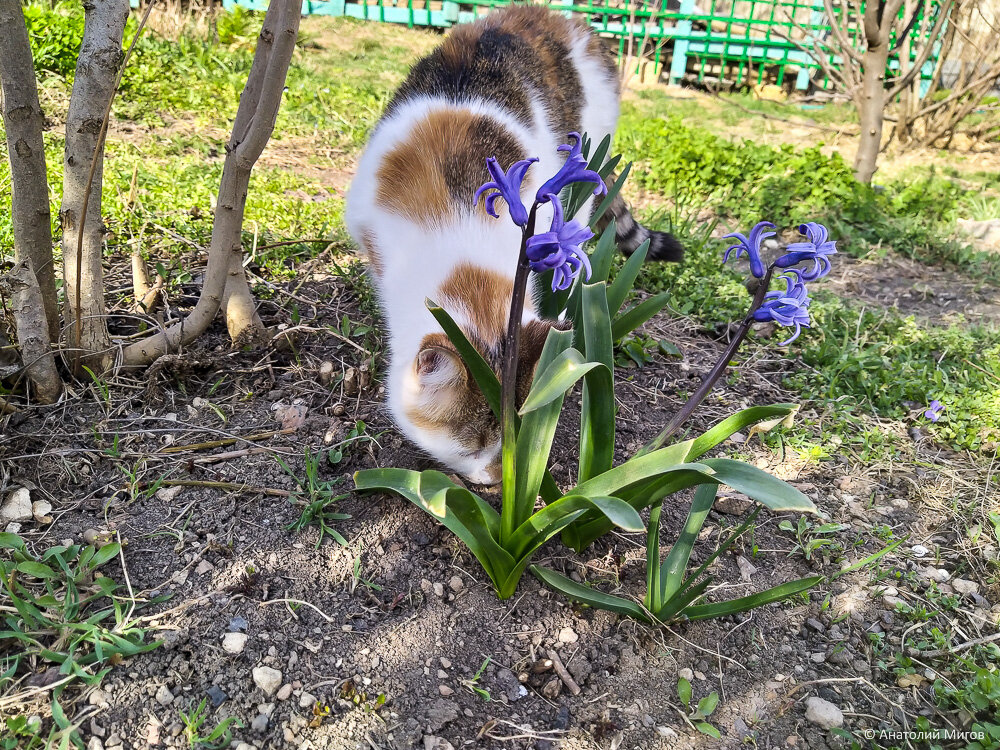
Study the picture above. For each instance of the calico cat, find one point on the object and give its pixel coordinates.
(513, 84)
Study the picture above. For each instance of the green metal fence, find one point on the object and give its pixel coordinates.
(731, 42)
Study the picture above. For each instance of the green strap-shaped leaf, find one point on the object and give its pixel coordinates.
(678, 602)
(638, 469)
(482, 373)
(628, 321)
(553, 518)
(765, 488)
(609, 167)
(735, 606)
(653, 599)
(538, 428)
(467, 516)
(613, 191)
(672, 570)
(597, 414)
(625, 279)
(561, 374)
(738, 421)
(603, 256)
(589, 596)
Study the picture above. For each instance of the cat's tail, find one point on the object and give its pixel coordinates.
(629, 233)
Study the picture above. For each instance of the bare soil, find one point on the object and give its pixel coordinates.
(416, 619)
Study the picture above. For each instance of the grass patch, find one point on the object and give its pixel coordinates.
(67, 624)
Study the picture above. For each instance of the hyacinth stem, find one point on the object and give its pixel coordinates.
(508, 385)
(717, 370)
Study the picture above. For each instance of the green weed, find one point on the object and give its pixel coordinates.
(217, 738)
(64, 613)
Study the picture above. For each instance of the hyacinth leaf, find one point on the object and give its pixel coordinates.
(722, 547)
(577, 194)
(589, 596)
(682, 599)
(609, 167)
(672, 571)
(482, 373)
(597, 413)
(538, 429)
(653, 591)
(561, 374)
(640, 483)
(627, 322)
(735, 606)
(603, 255)
(553, 518)
(636, 470)
(613, 191)
(757, 484)
(551, 302)
(467, 516)
(625, 279)
(733, 424)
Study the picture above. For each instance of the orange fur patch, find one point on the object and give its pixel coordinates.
(415, 178)
(484, 296)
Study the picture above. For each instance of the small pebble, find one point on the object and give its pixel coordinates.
(267, 679)
(568, 635)
(234, 643)
(285, 692)
(163, 696)
(216, 695)
(259, 724)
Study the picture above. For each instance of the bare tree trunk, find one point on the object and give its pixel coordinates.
(23, 121)
(33, 331)
(871, 110)
(242, 320)
(255, 118)
(100, 55)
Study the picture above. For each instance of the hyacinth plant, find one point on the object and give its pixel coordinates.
(576, 285)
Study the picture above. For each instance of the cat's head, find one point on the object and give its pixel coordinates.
(444, 411)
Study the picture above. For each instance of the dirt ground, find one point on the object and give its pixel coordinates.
(387, 632)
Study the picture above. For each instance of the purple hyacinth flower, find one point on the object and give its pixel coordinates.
(787, 308)
(934, 412)
(751, 246)
(507, 186)
(573, 170)
(817, 249)
(558, 250)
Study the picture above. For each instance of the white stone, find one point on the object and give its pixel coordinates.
(234, 643)
(204, 567)
(163, 696)
(306, 700)
(17, 507)
(919, 550)
(266, 678)
(824, 714)
(568, 635)
(285, 692)
(41, 509)
(964, 586)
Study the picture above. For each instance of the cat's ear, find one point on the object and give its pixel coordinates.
(439, 367)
